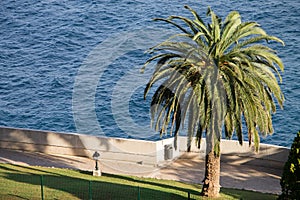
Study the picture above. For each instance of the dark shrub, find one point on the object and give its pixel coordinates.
(290, 180)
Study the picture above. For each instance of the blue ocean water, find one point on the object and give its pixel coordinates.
(44, 44)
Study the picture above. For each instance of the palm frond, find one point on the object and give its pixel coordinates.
(214, 75)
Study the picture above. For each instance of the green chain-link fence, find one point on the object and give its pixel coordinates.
(61, 187)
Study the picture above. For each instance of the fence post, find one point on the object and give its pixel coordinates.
(42, 187)
(189, 195)
(139, 193)
(90, 190)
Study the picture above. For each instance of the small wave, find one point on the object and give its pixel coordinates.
(43, 44)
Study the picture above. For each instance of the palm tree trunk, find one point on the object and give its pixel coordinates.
(211, 182)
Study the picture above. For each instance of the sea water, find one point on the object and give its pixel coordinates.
(46, 46)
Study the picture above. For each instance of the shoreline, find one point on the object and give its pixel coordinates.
(241, 167)
(124, 149)
(122, 138)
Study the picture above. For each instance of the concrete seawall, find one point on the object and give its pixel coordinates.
(127, 150)
(119, 149)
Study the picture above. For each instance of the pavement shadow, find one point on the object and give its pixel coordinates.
(41, 159)
(257, 173)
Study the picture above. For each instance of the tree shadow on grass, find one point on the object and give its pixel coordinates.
(26, 169)
(28, 186)
(86, 172)
(16, 184)
(245, 194)
(12, 197)
(153, 183)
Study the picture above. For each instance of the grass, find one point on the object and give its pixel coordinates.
(23, 182)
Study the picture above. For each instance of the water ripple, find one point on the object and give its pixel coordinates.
(43, 44)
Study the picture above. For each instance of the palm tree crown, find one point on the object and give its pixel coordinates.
(217, 75)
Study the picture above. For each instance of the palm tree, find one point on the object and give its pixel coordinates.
(216, 75)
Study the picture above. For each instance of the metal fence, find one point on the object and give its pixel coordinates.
(62, 187)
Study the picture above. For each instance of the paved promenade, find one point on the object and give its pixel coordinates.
(236, 172)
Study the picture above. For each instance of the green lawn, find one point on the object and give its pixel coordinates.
(23, 182)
